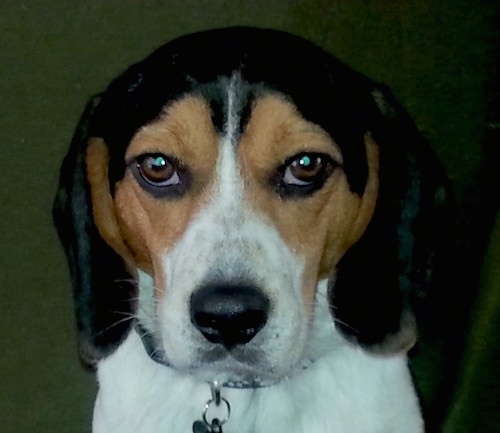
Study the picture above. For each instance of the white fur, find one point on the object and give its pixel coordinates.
(347, 391)
(315, 381)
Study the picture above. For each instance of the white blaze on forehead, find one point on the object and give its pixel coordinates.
(229, 185)
(233, 107)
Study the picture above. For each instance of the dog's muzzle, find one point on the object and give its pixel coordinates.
(228, 316)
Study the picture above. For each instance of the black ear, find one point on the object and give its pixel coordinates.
(392, 263)
(104, 290)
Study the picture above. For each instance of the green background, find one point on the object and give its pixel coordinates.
(440, 58)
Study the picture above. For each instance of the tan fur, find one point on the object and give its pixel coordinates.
(151, 226)
(323, 226)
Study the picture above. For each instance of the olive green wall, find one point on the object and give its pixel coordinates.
(436, 55)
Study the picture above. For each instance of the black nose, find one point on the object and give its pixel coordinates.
(229, 315)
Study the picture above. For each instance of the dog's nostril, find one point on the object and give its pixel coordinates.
(229, 315)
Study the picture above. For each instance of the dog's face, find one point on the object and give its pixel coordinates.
(234, 228)
(233, 196)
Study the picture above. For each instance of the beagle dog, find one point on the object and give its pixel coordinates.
(245, 221)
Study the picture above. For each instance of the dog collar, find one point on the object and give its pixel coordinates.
(152, 348)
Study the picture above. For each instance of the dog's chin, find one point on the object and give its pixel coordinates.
(236, 368)
(235, 374)
(242, 372)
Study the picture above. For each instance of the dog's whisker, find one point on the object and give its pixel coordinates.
(126, 280)
(345, 324)
(114, 324)
(156, 351)
(125, 313)
(143, 333)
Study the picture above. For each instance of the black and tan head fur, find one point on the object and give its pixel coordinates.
(282, 160)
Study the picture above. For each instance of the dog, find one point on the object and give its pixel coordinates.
(245, 221)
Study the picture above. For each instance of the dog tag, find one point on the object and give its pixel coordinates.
(202, 427)
(216, 426)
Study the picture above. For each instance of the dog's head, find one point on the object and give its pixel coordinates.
(236, 195)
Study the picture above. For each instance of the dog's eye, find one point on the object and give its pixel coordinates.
(160, 175)
(158, 170)
(303, 170)
(304, 173)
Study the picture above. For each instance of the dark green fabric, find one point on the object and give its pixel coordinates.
(436, 55)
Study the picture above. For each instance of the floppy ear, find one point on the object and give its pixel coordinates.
(392, 262)
(103, 283)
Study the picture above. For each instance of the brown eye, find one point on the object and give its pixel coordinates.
(161, 176)
(305, 169)
(157, 170)
(303, 174)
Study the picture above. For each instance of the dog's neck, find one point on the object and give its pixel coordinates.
(347, 391)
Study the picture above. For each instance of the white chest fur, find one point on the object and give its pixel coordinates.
(347, 391)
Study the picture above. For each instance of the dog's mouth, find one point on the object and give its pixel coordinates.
(236, 368)
(232, 373)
